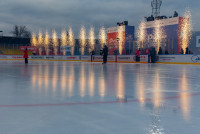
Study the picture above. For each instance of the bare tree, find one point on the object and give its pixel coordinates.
(21, 32)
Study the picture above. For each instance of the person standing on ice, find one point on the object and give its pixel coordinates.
(138, 55)
(105, 54)
(26, 56)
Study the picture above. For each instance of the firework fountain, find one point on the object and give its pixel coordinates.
(46, 42)
(120, 39)
(141, 34)
(159, 34)
(55, 42)
(34, 40)
(186, 33)
(82, 39)
(102, 36)
(40, 42)
(64, 40)
(92, 39)
(71, 40)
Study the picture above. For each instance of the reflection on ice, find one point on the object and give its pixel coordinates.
(140, 89)
(120, 84)
(157, 93)
(61, 80)
(91, 81)
(184, 95)
(102, 83)
(70, 82)
(82, 81)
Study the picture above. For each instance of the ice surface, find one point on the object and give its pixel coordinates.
(91, 98)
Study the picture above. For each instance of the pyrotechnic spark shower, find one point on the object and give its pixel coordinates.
(120, 39)
(71, 40)
(102, 36)
(55, 41)
(46, 42)
(186, 27)
(40, 42)
(64, 39)
(92, 39)
(159, 34)
(141, 35)
(82, 39)
(33, 40)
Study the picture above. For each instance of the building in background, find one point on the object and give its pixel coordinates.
(120, 39)
(170, 33)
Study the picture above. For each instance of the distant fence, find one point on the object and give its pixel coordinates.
(169, 59)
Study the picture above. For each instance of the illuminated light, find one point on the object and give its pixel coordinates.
(102, 36)
(82, 39)
(141, 34)
(64, 39)
(186, 30)
(159, 34)
(40, 42)
(46, 42)
(92, 39)
(55, 42)
(71, 40)
(120, 37)
(33, 40)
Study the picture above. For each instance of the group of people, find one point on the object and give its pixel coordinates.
(150, 52)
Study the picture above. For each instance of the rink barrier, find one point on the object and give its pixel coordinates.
(85, 58)
(179, 59)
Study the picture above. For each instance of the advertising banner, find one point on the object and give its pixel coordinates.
(198, 41)
(144, 58)
(99, 58)
(179, 58)
(86, 58)
(125, 58)
(29, 48)
(66, 48)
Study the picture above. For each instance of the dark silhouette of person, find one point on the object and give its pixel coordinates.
(105, 54)
(160, 51)
(166, 52)
(138, 55)
(175, 14)
(26, 56)
(153, 55)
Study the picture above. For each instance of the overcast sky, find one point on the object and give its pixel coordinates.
(58, 14)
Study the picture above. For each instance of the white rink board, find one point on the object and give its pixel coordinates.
(99, 58)
(179, 58)
(126, 58)
(85, 58)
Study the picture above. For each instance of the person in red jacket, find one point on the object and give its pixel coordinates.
(26, 56)
(138, 55)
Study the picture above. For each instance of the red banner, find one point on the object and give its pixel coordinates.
(29, 48)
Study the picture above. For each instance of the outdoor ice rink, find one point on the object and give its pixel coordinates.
(48, 97)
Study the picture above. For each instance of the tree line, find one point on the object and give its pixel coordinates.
(21, 32)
